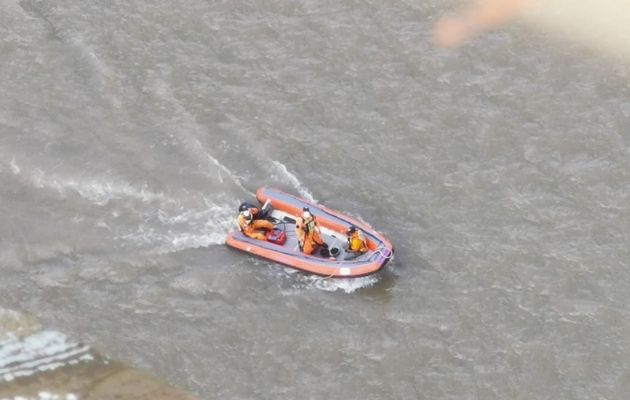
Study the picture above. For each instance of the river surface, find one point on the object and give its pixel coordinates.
(131, 131)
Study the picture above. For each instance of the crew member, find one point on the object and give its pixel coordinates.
(357, 244)
(252, 223)
(308, 233)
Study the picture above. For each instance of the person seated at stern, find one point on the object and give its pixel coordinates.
(252, 223)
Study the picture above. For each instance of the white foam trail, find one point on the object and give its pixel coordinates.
(102, 191)
(42, 351)
(209, 225)
(101, 72)
(163, 243)
(102, 75)
(197, 149)
(97, 190)
(346, 285)
(293, 180)
(192, 142)
(14, 167)
(45, 396)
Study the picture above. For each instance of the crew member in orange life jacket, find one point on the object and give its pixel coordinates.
(307, 231)
(251, 223)
(357, 244)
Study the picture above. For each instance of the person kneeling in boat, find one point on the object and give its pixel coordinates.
(252, 222)
(357, 244)
(308, 234)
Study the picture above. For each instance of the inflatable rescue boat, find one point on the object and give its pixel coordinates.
(282, 245)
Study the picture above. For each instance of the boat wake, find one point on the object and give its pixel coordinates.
(349, 285)
(285, 174)
(98, 190)
(189, 132)
(163, 224)
(173, 230)
(303, 281)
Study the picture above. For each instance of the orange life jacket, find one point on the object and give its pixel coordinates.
(307, 232)
(245, 223)
(357, 242)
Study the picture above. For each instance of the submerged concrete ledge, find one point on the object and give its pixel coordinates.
(39, 364)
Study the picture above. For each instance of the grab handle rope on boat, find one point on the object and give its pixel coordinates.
(380, 251)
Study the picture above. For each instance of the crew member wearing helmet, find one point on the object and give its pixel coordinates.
(357, 244)
(251, 223)
(307, 231)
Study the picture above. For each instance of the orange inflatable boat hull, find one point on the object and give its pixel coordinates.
(285, 208)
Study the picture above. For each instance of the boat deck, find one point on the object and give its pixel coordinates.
(286, 222)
